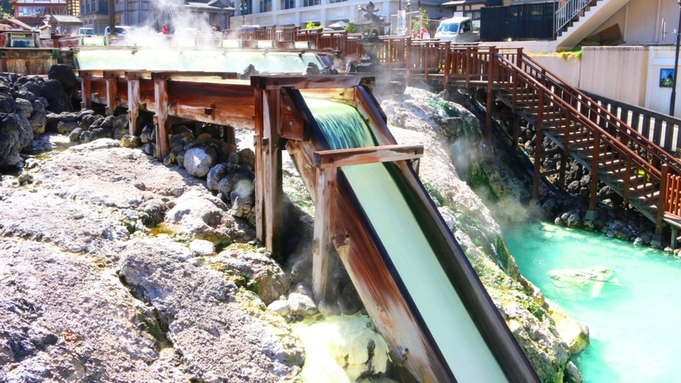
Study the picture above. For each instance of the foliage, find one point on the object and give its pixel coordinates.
(420, 20)
(6, 11)
(313, 25)
(571, 54)
(350, 28)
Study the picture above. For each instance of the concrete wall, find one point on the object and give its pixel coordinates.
(626, 73)
(567, 69)
(616, 72)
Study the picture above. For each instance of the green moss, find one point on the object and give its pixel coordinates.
(480, 183)
(443, 105)
(151, 326)
(434, 194)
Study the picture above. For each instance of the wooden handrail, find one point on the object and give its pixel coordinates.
(605, 115)
(653, 174)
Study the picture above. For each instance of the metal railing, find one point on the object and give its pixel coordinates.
(567, 11)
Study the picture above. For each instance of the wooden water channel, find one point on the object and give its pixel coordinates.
(588, 130)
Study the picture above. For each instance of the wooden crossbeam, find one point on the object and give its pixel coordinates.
(325, 159)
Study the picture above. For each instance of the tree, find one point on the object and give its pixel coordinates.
(420, 21)
(6, 11)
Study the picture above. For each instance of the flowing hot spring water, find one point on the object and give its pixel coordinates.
(631, 303)
(388, 210)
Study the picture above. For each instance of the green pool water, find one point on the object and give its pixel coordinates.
(634, 318)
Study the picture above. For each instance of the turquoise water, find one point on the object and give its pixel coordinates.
(634, 318)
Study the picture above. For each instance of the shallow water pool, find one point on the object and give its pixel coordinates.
(634, 315)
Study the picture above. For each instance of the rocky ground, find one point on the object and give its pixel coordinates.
(117, 267)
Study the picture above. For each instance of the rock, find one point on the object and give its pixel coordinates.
(198, 161)
(202, 247)
(38, 118)
(280, 306)
(10, 145)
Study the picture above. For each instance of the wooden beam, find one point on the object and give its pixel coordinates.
(111, 79)
(357, 156)
(161, 117)
(322, 244)
(133, 103)
(308, 81)
(273, 192)
(86, 97)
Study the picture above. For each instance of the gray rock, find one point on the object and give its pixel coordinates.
(38, 117)
(198, 161)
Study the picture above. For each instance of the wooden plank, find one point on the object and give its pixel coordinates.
(308, 81)
(334, 158)
(273, 192)
(368, 106)
(293, 120)
(111, 92)
(223, 104)
(324, 213)
(161, 117)
(260, 213)
(85, 90)
(133, 104)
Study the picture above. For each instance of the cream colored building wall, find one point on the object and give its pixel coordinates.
(567, 69)
(657, 98)
(618, 72)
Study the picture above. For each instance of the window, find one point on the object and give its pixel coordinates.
(266, 6)
(288, 4)
(310, 3)
(337, 1)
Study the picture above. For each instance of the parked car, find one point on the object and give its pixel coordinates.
(121, 30)
(457, 30)
(87, 32)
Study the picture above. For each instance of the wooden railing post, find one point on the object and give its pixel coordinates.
(448, 63)
(491, 75)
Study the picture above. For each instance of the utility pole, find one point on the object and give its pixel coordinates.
(112, 17)
(672, 101)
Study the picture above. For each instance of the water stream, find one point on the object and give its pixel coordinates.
(408, 249)
(633, 317)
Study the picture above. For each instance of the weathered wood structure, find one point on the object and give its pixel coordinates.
(275, 107)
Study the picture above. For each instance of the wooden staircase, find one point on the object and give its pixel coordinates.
(645, 175)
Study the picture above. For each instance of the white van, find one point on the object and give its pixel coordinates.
(457, 30)
(86, 32)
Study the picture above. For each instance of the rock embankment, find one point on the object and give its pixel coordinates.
(117, 267)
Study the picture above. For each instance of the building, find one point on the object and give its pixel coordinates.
(153, 14)
(32, 12)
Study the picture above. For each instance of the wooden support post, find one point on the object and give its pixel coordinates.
(161, 117)
(662, 201)
(594, 171)
(133, 103)
(272, 171)
(260, 213)
(491, 74)
(324, 213)
(111, 90)
(539, 138)
(448, 63)
(86, 97)
(516, 130)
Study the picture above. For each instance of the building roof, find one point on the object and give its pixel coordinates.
(16, 24)
(64, 19)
